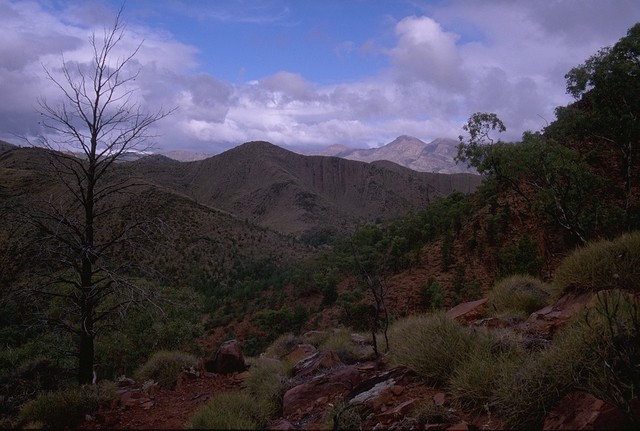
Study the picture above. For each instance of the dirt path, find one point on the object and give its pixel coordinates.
(164, 409)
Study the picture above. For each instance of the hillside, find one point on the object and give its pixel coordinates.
(291, 193)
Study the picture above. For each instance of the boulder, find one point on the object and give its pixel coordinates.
(227, 360)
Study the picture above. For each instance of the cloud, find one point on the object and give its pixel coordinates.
(425, 52)
(433, 69)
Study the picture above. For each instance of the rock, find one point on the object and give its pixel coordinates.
(462, 426)
(581, 410)
(125, 382)
(227, 360)
(317, 363)
(334, 383)
(548, 320)
(358, 339)
(378, 390)
(468, 311)
(401, 410)
(302, 351)
(183, 378)
(439, 399)
(282, 425)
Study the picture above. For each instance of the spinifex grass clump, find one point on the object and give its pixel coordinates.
(518, 296)
(65, 408)
(432, 345)
(601, 265)
(165, 366)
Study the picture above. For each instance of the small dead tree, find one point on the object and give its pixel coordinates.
(97, 122)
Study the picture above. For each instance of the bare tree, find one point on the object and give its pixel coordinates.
(97, 122)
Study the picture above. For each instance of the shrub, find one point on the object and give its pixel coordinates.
(164, 367)
(432, 345)
(66, 408)
(519, 294)
(230, 410)
(601, 265)
(432, 294)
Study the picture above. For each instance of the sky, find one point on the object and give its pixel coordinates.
(306, 74)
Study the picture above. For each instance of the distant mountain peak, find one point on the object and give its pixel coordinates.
(436, 156)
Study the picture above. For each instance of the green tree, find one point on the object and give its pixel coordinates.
(98, 119)
(608, 87)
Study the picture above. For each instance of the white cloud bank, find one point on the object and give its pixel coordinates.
(460, 57)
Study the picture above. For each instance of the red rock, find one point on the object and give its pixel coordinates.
(317, 363)
(282, 425)
(439, 398)
(468, 311)
(462, 426)
(334, 383)
(227, 360)
(183, 378)
(548, 320)
(302, 351)
(401, 409)
(581, 410)
(397, 390)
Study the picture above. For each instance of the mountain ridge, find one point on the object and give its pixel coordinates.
(293, 193)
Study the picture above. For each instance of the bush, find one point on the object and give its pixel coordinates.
(67, 408)
(601, 265)
(231, 411)
(518, 295)
(432, 294)
(164, 367)
(432, 345)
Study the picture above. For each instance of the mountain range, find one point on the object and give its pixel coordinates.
(292, 193)
(437, 156)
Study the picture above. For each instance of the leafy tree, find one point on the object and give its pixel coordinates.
(608, 87)
(98, 118)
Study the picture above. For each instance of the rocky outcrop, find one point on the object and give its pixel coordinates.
(228, 359)
(582, 411)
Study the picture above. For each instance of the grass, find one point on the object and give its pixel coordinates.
(230, 410)
(518, 296)
(165, 366)
(66, 408)
(601, 265)
(432, 345)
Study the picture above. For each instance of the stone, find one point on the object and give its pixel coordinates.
(462, 426)
(183, 378)
(468, 311)
(402, 409)
(332, 384)
(581, 410)
(302, 351)
(282, 425)
(317, 363)
(439, 398)
(227, 360)
(548, 320)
